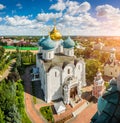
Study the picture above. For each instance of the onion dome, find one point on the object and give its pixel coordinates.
(101, 104)
(68, 43)
(55, 34)
(41, 40)
(48, 44)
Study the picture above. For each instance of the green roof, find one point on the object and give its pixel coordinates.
(111, 112)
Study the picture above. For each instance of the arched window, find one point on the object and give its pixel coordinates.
(79, 67)
(68, 71)
(49, 55)
(55, 74)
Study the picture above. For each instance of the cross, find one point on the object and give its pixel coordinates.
(54, 21)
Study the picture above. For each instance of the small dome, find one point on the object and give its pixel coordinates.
(68, 43)
(41, 40)
(55, 34)
(101, 104)
(48, 44)
(99, 73)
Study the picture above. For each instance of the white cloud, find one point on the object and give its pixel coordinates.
(78, 21)
(72, 7)
(59, 6)
(73, 18)
(2, 6)
(109, 18)
(0, 19)
(19, 5)
(84, 7)
(107, 11)
(44, 17)
(18, 20)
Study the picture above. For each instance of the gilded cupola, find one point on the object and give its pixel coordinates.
(55, 34)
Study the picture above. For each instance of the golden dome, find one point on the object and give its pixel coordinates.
(55, 34)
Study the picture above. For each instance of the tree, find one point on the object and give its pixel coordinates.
(79, 52)
(2, 116)
(13, 115)
(2, 50)
(87, 52)
(92, 66)
(14, 76)
(104, 57)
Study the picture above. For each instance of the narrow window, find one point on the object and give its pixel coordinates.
(55, 74)
(49, 55)
(111, 73)
(68, 71)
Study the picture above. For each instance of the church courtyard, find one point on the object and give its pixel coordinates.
(86, 106)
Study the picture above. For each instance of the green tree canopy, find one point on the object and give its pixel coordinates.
(92, 66)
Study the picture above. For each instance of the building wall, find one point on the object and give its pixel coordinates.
(48, 55)
(57, 76)
(111, 70)
(54, 84)
(68, 52)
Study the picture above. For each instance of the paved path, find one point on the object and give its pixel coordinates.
(38, 92)
(86, 115)
(31, 111)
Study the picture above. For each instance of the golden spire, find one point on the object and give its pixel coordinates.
(55, 34)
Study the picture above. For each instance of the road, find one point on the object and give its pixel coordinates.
(30, 109)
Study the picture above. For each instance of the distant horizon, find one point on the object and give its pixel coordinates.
(62, 35)
(73, 17)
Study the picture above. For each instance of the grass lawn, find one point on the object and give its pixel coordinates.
(47, 113)
(20, 48)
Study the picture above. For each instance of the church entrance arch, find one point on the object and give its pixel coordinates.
(70, 89)
(73, 92)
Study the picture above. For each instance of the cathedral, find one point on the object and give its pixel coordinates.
(61, 73)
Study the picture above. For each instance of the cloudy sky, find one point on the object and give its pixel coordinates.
(73, 17)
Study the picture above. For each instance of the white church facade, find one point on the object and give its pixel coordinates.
(112, 66)
(62, 75)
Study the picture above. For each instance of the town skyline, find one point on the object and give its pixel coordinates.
(73, 17)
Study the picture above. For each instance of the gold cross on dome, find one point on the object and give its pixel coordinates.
(54, 21)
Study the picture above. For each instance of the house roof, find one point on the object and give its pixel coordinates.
(59, 60)
(59, 107)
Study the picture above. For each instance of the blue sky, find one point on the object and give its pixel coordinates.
(74, 17)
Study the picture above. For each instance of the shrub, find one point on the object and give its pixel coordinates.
(47, 113)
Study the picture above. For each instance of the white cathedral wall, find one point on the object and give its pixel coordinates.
(78, 71)
(68, 71)
(42, 74)
(54, 84)
(40, 49)
(68, 52)
(48, 54)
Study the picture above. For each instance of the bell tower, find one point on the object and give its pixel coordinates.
(112, 55)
